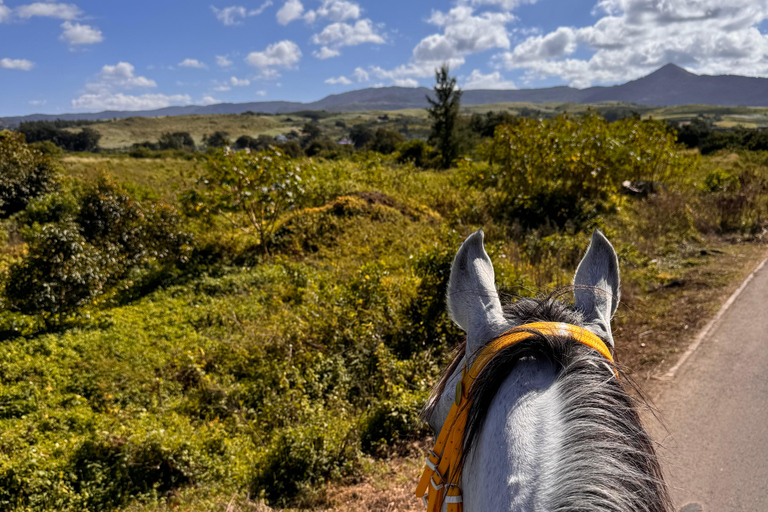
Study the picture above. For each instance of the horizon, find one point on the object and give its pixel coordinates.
(85, 57)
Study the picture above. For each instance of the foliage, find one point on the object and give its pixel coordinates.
(253, 190)
(38, 131)
(217, 139)
(417, 152)
(24, 173)
(567, 170)
(385, 141)
(361, 135)
(444, 112)
(176, 140)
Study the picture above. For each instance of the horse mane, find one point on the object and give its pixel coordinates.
(608, 462)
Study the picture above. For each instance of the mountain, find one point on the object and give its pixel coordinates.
(668, 86)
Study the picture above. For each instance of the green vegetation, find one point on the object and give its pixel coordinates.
(444, 113)
(185, 328)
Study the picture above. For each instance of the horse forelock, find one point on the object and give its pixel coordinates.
(605, 461)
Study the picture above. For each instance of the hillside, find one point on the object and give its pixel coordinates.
(668, 86)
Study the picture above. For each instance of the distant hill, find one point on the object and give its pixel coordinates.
(667, 86)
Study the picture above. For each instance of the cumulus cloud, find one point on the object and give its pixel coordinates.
(464, 33)
(291, 10)
(505, 5)
(105, 92)
(49, 10)
(20, 64)
(344, 34)
(120, 101)
(192, 63)
(342, 80)
(635, 37)
(77, 34)
(406, 82)
(284, 54)
(335, 11)
(235, 14)
(223, 61)
(5, 13)
(119, 77)
(209, 100)
(477, 80)
(239, 82)
(361, 75)
(326, 53)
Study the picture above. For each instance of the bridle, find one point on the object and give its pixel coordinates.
(440, 481)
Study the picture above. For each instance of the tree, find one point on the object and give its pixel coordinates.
(361, 135)
(177, 140)
(217, 140)
(385, 141)
(24, 173)
(252, 190)
(444, 113)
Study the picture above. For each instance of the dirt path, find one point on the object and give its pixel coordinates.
(716, 412)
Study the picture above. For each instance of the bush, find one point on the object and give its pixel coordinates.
(418, 152)
(24, 173)
(252, 190)
(385, 141)
(389, 422)
(217, 139)
(60, 273)
(177, 140)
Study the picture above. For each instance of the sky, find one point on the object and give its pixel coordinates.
(90, 55)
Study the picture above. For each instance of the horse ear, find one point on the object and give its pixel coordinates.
(597, 286)
(473, 301)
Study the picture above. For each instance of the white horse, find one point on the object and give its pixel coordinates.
(551, 427)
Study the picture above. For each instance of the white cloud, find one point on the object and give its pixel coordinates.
(505, 5)
(235, 14)
(49, 10)
(209, 100)
(120, 101)
(477, 80)
(284, 54)
(635, 37)
(326, 53)
(238, 82)
(342, 80)
(76, 34)
(337, 35)
(406, 82)
(361, 75)
(261, 93)
(464, 33)
(21, 64)
(118, 77)
(223, 61)
(291, 10)
(192, 63)
(5, 13)
(222, 88)
(37, 103)
(335, 11)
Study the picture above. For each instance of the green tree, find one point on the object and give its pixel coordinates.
(217, 139)
(385, 141)
(177, 140)
(252, 190)
(444, 113)
(24, 173)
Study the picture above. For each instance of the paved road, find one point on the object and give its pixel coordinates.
(716, 412)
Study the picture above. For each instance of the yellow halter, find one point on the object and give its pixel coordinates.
(440, 482)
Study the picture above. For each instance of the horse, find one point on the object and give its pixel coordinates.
(553, 425)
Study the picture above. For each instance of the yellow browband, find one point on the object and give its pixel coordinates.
(440, 482)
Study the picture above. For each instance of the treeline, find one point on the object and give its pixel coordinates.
(708, 139)
(56, 132)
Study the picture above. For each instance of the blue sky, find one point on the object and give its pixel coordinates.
(92, 55)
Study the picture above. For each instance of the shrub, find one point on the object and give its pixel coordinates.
(177, 140)
(217, 139)
(390, 421)
(61, 272)
(385, 141)
(24, 173)
(250, 189)
(418, 152)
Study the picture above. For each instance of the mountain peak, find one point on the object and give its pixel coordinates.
(670, 71)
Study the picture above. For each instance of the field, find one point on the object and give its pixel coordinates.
(206, 366)
(125, 132)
